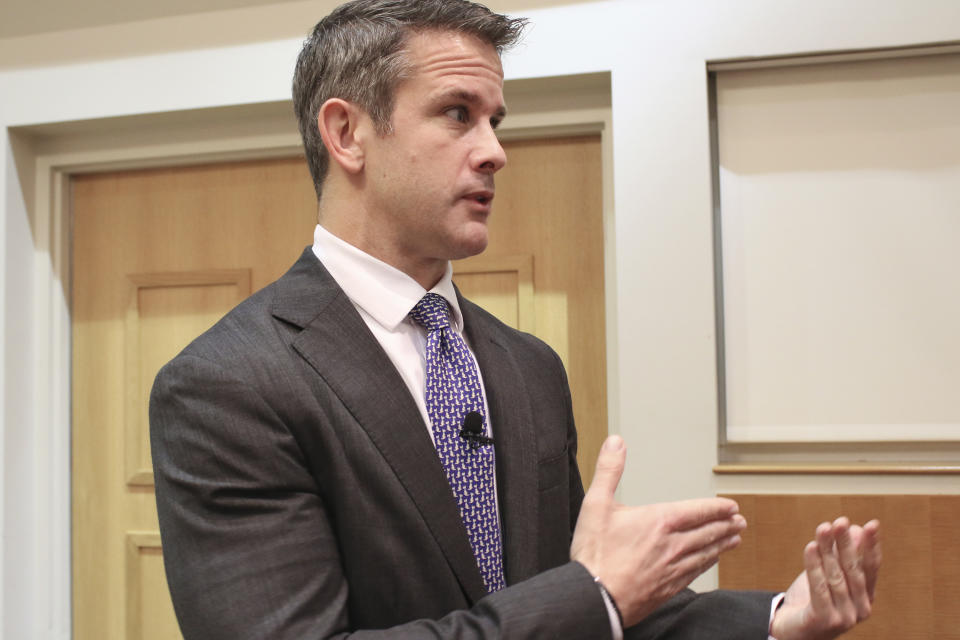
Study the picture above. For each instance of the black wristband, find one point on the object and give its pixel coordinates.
(609, 598)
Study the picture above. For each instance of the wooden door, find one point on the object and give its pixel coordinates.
(160, 254)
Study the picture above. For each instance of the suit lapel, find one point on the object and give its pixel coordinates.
(338, 345)
(514, 438)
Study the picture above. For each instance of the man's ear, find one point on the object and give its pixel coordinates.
(342, 126)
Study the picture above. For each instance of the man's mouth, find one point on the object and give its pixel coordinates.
(483, 197)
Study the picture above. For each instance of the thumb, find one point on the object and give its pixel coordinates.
(610, 463)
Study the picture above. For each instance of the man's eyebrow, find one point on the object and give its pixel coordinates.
(470, 97)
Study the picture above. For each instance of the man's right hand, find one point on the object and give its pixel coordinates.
(646, 555)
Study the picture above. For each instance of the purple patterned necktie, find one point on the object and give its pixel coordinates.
(453, 391)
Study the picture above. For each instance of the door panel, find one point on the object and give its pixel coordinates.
(149, 609)
(166, 311)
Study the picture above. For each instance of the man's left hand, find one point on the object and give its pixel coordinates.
(836, 590)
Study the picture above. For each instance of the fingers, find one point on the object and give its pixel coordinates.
(836, 580)
(593, 529)
(699, 549)
(839, 592)
(703, 529)
(821, 600)
(871, 555)
(713, 534)
(866, 539)
(610, 463)
(851, 565)
(708, 544)
(690, 514)
(835, 590)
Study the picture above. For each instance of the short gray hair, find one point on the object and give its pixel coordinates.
(357, 53)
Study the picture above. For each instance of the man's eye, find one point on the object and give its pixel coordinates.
(457, 113)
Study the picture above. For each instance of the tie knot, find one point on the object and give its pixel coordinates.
(432, 312)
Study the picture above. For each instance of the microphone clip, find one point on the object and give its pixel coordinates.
(472, 430)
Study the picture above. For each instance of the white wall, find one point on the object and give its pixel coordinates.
(663, 377)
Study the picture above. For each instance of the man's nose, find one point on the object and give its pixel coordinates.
(490, 156)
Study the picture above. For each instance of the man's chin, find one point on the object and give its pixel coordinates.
(470, 247)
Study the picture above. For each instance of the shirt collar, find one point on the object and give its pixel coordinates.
(382, 291)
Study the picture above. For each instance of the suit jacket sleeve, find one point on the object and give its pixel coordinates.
(714, 615)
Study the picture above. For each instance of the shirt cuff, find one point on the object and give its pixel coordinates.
(777, 601)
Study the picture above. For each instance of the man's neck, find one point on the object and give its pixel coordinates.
(426, 273)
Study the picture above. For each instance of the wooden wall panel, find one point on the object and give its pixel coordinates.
(919, 585)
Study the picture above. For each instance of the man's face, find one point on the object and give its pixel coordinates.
(430, 181)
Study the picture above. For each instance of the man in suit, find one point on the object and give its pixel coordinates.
(304, 483)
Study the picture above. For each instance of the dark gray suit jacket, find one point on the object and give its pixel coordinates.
(300, 496)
